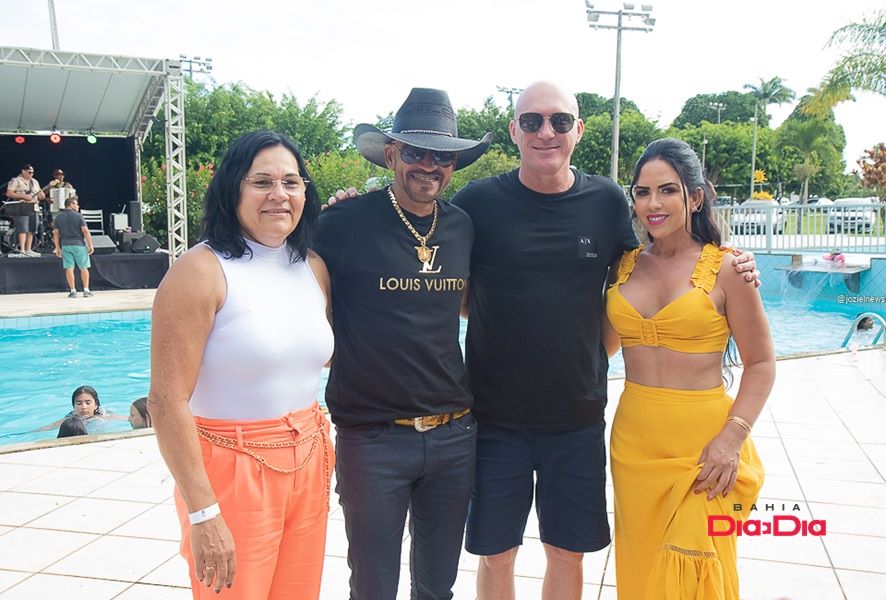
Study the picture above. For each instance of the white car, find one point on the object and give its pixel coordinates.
(757, 216)
(855, 215)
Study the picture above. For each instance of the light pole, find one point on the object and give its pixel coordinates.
(754, 150)
(510, 91)
(195, 64)
(717, 106)
(704, 151)
(53, 27)
(593, 22)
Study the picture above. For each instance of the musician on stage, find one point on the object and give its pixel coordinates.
(25, 188)
(48, 204)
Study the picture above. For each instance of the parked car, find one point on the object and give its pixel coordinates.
(755, 216)
(819, 203)
(855, 215)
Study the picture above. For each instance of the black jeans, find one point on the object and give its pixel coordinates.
(383, 471)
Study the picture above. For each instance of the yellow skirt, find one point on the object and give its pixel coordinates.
(662, 547)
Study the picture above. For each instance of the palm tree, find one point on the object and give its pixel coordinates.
(863, 67)
(769, 92)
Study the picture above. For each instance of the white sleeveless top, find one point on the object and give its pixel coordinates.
(269, 341)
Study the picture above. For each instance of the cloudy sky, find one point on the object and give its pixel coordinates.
(367, 55)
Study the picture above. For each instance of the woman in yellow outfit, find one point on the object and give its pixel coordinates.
(680, 446)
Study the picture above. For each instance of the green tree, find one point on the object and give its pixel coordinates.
(492, 163)
(216, 115)
(810, 147)
(338, 170)
(154, 199)
(474, 124)
(768, 92)
(727, 151)
(593, 151)
(590, 104)
(316, 127)
(737, 107)
(862, 67)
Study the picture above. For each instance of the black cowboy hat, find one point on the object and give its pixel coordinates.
(426, 120)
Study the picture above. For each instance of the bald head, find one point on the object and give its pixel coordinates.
(545, 151)
(545, 93)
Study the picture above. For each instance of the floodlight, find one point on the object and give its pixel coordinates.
(55, 137)
(90, 138)
(19, 139)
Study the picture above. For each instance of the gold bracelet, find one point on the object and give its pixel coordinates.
(740, 422)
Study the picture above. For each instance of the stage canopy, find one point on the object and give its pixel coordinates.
(76, 93)
(79, 94)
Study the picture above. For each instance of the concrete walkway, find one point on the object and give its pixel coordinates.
(95, 520)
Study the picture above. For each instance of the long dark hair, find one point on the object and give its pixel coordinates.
(88, 389)
(704, 229)
(683, 159)
(141, 405)
(221, 228)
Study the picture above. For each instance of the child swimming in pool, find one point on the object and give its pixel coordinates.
(86, 405)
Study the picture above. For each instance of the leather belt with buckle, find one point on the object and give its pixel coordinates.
(431, 421)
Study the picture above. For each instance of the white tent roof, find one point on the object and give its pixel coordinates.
(45, 90)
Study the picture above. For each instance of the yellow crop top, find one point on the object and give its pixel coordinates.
(689, 323)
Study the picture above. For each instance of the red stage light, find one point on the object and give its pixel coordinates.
(19, 139)
(55, 138)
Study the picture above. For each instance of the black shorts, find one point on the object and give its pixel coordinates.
(568, 472)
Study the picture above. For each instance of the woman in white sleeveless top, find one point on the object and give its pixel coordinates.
(240, 335)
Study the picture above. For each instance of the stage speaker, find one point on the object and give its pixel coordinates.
(125, 238)
(135, 215)
(103, 244)
(146, 244)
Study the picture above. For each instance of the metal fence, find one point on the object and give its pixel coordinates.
(856, 227)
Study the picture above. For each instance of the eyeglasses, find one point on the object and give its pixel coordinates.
(412, 155)
(291, 185)
(27, 170)
(531, 122)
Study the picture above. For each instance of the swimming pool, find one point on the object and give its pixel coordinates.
(45, 358)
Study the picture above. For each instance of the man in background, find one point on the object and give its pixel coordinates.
(25, 188)
(73, 244)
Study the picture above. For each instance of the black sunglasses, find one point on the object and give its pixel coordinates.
(412, 155)
(560, 122)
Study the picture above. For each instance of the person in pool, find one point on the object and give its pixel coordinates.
(85, 404)
(139, 417)
(72, 426)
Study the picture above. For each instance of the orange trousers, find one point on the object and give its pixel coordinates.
(275, 500)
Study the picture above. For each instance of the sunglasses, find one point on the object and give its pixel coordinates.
(560, 122)
(412, 155)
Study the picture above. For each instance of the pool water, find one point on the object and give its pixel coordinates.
(43, 363)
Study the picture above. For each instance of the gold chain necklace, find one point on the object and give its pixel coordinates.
(424, 253)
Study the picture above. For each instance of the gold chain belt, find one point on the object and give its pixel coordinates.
(431, 421)
(233, 444)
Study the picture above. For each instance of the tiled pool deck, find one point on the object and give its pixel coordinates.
(96, 520)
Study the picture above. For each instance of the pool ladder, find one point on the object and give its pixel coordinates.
(877, 319)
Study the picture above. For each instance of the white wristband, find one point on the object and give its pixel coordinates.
(205, 514)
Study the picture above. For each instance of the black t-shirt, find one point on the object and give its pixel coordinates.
(395, 319)
(70, 225)
(535, 358)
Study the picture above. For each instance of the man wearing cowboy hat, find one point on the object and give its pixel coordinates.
(397, 393)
